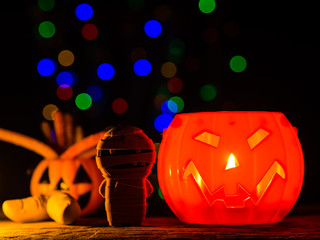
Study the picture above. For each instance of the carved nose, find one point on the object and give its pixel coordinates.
(232, 162)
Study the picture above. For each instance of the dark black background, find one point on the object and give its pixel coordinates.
(280, 41)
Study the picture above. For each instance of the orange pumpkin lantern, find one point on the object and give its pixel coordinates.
(230, 167)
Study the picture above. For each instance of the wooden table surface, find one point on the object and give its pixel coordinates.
(297, 226)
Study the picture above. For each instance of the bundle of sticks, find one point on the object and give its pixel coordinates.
(65, 140)
(64, 133)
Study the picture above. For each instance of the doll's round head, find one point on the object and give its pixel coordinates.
(125, 151)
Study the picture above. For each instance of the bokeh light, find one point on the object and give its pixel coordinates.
(160, 193)
(176, 50)
(46, 5)
(162, 12)
(64, 78)
(169, 107)
(179, 102)
(142, 67)
(210, 35)
(95, 92)
(162, 121)
(175, 85)
(66, 58)
(168, 70)
(64, 92)
(159, 100)
(207, 6)
(208, 92)
(136, 5)
(46, 67)
(105, 71)
(47, 29)
(238, 64)
(152, 28)
(84, 12)
(119, 106)
(48, 111)
(89, 31)
(83, 101)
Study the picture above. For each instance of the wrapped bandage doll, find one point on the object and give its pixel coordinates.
(125, 156)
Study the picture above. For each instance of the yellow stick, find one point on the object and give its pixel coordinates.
(82, 146)
(28, 143)
(78, 134)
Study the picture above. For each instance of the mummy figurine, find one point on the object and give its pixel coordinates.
(125, 156)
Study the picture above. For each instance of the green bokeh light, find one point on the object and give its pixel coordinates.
(238, 64)
(207, 6)
(47, 29)
(208, 92)
(160, 194)
(46, 5)
(83, 101)
(179, 102)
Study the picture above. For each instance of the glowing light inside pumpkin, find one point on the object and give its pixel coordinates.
(232, 162)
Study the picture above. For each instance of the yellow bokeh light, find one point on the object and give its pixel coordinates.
(48, 111)
(168, 70)
(66, 58)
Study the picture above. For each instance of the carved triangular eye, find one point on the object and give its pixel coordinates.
(82, 176)
(45, 177)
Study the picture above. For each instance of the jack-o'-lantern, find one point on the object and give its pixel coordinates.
(67, 166)
(78, 177)
(230, 167)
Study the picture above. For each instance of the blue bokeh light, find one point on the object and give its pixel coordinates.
(153, 28)
(95, 92)
(84, 12)
(64, 78)
(169, 107)
(105, 71)
(46, 67)
(142, 67)
(162, 121)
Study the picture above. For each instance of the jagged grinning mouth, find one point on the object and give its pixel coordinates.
(238, 200)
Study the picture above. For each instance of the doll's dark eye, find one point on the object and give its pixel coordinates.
(257, 137)
(208, 138)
